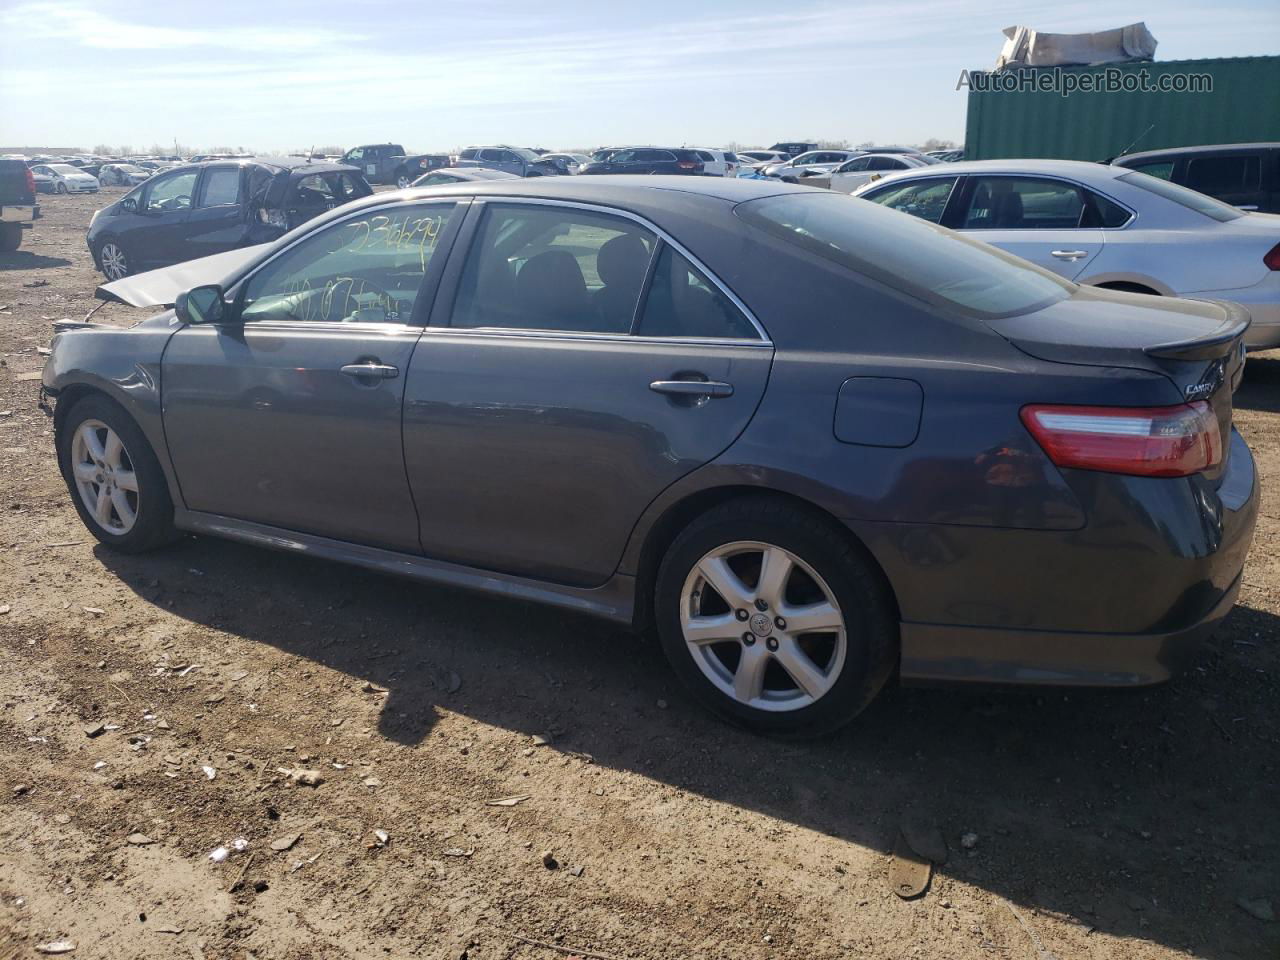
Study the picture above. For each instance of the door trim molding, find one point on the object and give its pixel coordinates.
(613, 601)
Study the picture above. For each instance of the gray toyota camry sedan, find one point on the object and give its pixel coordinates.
(810, 442)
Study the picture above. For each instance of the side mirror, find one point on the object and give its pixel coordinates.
(129, 204)
(201, 305)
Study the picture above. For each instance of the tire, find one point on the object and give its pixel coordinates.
(403, 179)
(113, 259)
(10, 237)
(152, 508)
(60, 188)
(845, 667)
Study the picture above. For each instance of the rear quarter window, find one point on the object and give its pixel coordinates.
(918, 258)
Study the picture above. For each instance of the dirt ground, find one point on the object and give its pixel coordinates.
(1139, 824)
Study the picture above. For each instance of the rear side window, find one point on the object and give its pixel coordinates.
(468, 154)
(1023, 203)
(683, 303)
(926, 199)
(1183, 197)
(1230, 174)
(221, 187)
(552, 268)
(1101, 212)
(908, 254)
(314, 190)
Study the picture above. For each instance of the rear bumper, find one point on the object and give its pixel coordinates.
(1161, 597)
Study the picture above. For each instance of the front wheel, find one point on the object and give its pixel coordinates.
(113, 260)
(115, 480)
(774, 619)
(403, 180)
(60, 188)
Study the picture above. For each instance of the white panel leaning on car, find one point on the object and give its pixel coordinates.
(1105, 226)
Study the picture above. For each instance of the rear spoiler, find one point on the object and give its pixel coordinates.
(1217, 344)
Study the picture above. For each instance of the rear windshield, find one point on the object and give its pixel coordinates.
(1183, 196)
(919, 258)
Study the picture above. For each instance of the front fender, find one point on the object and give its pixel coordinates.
(123, 364)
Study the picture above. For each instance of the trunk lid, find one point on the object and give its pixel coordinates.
(1197, 344)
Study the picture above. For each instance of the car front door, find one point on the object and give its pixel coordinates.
(1234, 178)
(1037, 218)
(289, 413)
(217, 221)
(155, 235)
(567, 391)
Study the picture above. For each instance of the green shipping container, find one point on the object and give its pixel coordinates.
(1242, 106)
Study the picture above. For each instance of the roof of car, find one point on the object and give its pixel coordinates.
(280, 163)
(1061, 168)
(1207, 148)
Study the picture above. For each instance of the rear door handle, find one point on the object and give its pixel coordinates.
(1069, 254)
(382, 371)
(693, 388)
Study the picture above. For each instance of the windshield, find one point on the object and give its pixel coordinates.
(526, 155)
(914, 256)
(129, 168)
(1184, 197)
(63, 168)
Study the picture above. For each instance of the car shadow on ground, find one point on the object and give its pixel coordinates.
(26, 260)
(1260, 389)
(1142, 813)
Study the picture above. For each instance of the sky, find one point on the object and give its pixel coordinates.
(282, 75)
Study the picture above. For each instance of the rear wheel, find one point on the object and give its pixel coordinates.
(774, 619)
(113, 260)
(114, 478)
(60, 188)
(10, 237)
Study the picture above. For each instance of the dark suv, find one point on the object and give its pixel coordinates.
(1245, 175)
(648, 160)
(388, 163)
(205, 208)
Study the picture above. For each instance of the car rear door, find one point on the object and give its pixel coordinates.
(217, 222)
(580, 366)
(289, 414)
(1036, 218)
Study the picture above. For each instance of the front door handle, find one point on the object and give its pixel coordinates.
(1068, 254)
(370, 369)
(692, 388)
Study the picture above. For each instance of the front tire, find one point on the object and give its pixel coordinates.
(113, 476)
(774, 619)
(10, 236)
(60, 188)
(113, 261)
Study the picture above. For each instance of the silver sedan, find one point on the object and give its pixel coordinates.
(1106, 227)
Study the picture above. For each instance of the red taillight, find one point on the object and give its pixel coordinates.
(1272, 259)
(1142, 441)
(31, 187)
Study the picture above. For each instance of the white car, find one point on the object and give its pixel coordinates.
(849, 176)
(66, 178)
(823, 161)
(717, 163)
(122, 175)
(1105, 226)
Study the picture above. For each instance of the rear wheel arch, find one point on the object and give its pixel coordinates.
(679, 515)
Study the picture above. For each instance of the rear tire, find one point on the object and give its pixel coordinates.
(108, 465)
(841, 641)
(10, 237)
(60, 188)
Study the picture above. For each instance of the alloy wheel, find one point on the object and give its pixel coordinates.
(402, 182)
(114, 263)
(763, 626)
(60, 188)
(105, 477)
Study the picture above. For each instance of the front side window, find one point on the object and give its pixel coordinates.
(468, 154)
(856, 165)
(1184, 197)
(168, 194)
(314, 191)
(926, 199)
(920, 259)
(1231, 174)
(1160, 168)
(1023, 203)
(366, 270)
(885, 163)
(683, 303)
(221, 187)
(551, 268)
